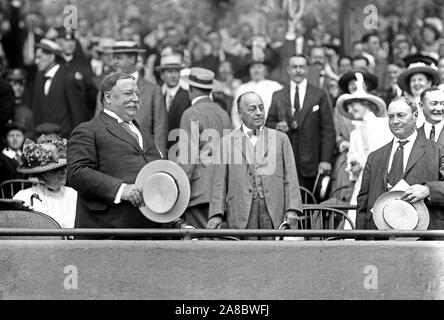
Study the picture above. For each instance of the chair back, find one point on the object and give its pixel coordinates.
(9, 188)
(307, 196)
(323, 218)
(27, 219)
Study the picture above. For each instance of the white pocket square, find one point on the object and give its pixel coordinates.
(316, 108)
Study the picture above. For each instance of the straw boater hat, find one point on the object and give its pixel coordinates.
(201, 78)
(435, 24)
(45, 155)
(418, 64)
(377, 105)
(370, 80)
(392, 213)
(166, 190)
(172, 61)
(126, 47)
(50, 46)
(105, 45)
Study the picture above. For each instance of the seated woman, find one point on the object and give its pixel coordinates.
(371, 131)
(46, 160)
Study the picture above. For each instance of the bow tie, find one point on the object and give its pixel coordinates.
(254, 132)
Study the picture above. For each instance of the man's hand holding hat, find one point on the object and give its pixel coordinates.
(134, 195)
(215, 222)
(292, 218)
(416, 193)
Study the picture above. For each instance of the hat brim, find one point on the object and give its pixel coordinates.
(345, 99)
(183, 185)
(404, 78)
(197, 84)
(169, 67)
(127, 51)
(384, 199)
(49, 167)
(370, 79)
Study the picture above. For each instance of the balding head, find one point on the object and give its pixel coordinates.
(251, 109)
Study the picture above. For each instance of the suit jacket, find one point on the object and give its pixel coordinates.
(425, 166)
(314, 139)
(97, 176)
(232, 184)
(440, 138)
(6, 104)
(67, 101)
(180, 103)
(203, 115)
(152, 114)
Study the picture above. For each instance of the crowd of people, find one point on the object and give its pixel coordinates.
(99, 108)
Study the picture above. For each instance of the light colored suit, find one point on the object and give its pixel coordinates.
(232, 185)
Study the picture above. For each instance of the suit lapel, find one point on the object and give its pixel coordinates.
(441, 137)
(385, 162)
(263, 144)
(418, 150)
(308, 104)
(244, 145)
(117, 130)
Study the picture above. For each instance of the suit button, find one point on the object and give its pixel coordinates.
(250, 191)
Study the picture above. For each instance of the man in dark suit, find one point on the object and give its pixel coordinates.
(197, 120)
(152, 114)
(59, 96)
(411, 157)
(302, 111)
(105, 156)
(6, 104)
(177, 99)
(432, 102)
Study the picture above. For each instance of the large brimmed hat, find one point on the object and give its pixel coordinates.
(435, 24)
(200, 78)
(377, 105)
(13, 126)
(45, 155)
(392, 213)
(166, 190)
(370, 80)
(418, 63)
(126, 47)
(16, 75)
(172, 61)
(50, 46)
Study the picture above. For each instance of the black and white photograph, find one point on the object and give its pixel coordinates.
(222, 158)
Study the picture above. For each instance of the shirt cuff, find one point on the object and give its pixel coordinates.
(118, 197)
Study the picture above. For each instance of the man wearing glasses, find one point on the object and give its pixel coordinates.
(432, 102)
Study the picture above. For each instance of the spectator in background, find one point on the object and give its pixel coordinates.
(23, 114)
(320, 71)
(227, 80)
(6, 103)
(402, 49)
(361, 62)
(10, 157)
(430, 35)
(217, 56)
(344, 65)
(259, 83)
(392, 90)
(176, 98)
(301, 110)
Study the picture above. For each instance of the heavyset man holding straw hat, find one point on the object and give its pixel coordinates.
(410, 163)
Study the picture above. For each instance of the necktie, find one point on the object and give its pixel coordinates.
(126, 126)
(297, 105)
(397, 169)
(169, 99)
(432, 133)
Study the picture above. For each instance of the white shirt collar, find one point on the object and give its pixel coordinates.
(301, 86)
(195, 100)
(411, 139)
(438, 128)
(173, 91)
(113, 115)
(9, 153)
(51, 72)
(246, 130)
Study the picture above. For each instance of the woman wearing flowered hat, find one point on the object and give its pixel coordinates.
(46, 160)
